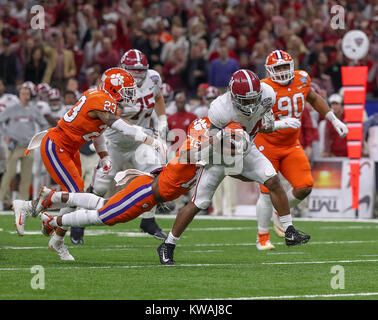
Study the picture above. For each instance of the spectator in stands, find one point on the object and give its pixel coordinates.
(221, 69)
(61, 62)
(153, 48)
(21, 122)
(179, 41)
(181, 119)
(173, 70)
(334, 146)
(8, 66)
(93, 48)
(108, 57)
(196, 70)
(36, 66)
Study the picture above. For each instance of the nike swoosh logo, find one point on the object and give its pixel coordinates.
(164, 258)
(292, 238)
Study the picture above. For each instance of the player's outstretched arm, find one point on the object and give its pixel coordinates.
(130, 130)
(320, 105)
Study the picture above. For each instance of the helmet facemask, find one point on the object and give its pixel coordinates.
(247, 105)
(281, 72)
(128, 95)
(139, 75)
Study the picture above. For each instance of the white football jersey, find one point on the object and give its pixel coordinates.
(57, 115)
(42, 106)
(8, 100)
(140, 113)
(222, 111)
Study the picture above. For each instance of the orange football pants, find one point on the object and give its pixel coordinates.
(64, 167)
(291, 161)
(127, 204)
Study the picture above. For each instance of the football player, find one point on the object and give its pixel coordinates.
(141, 191)
(96, 110)
(282, 147)
(247, 102)
(211, 94)
(127, 152)
(57, 109)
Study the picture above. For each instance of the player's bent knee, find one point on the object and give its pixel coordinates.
(273, 183)
(302, 193)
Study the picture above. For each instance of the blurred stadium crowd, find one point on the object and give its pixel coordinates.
(194, 45)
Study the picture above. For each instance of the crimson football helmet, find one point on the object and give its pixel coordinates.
(280, 67)
(167, 92)
(245, 91)
(210, 94)
(135, 62)
(119, 84)
(55, 99)
(43, 91)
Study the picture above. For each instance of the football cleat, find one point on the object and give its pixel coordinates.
(263, 242)
(295, 237)
(59, 247)
(277, 225)
(149, 225)
(47, 230)
(44, 200)
(22, 210)
(77, 235)
(165, 252)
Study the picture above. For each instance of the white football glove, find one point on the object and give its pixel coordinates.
(339, 126)
(105, 164)
(292, 123)
(161, 148)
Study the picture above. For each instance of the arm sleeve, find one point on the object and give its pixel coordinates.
(100, 144)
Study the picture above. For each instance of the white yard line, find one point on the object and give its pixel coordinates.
(336, 295)
(195, 245)
(319, 262)
(210, 217)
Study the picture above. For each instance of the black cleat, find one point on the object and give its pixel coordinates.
(294, 237)
(165, 252)
(149, 225)
(77, 235)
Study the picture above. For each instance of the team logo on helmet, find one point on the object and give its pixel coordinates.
(116, 79)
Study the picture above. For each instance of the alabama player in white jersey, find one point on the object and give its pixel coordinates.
(134, 154)
(7, 100)
(57, 108)
(248, 102)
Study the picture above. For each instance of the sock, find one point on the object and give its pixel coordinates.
(85, 200)
(172, 239)
(264, 209)
(286, 221)
(293, 201)
(56, 198)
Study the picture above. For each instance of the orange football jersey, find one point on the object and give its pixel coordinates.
(290, 101)
(77, 126)
(179, 175)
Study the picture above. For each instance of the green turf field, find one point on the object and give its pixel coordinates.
(216, 259)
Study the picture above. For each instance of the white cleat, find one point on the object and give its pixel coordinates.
(59, 247)
(277, 225)
(263, 242)
(22, 210)
(44, 200)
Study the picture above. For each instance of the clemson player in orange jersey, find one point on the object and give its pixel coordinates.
(86, 120)
(142, 191)
(282, 147)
